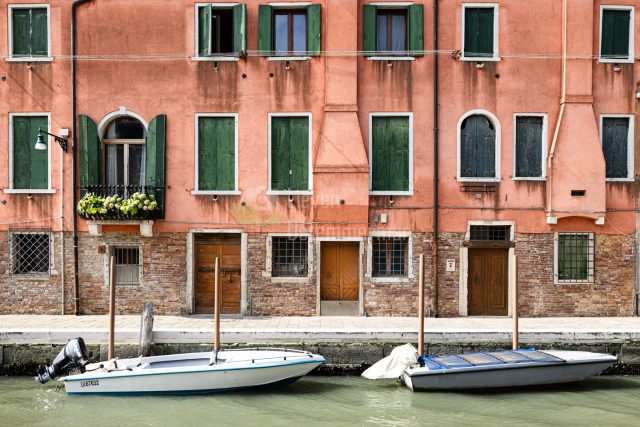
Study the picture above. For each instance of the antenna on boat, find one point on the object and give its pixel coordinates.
(421, 307)
(514, 302)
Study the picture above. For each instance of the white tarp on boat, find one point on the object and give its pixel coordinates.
(394, 364)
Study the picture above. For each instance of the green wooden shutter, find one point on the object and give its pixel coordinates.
(280, 153)
(265, 30)
(380, 141)
(615, 134)
(369, 30)
(240, 28)
(204, 30)
(207, 154)
(477, 148)
(20, 32)
(615, 34)
(156, 158)
(416, 30)
(39, 162)
(21, 152)
(90, 153)
(478, 32)
(314, 28)
(529, 147)
(39, 32)
(225, 147)
(299, 153)
(398, 153)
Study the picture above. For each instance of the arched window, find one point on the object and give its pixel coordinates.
(125, 149)
(477, 148)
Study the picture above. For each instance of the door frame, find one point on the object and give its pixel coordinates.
(463, 293)
(190, 294)
(360, 240)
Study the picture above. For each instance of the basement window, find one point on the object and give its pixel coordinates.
(30, 252)
(127, 265)
(574, 257)
(289, 256)
(390, 256)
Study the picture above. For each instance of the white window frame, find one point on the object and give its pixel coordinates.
(111, 251)
(631, 55)
(630, 143)
(268, 265)
(498, 130)
(196, 178)
(10, 57)
(401, 234)
(47, 190)
(308, 192)
(545, 142)
(392, 5)
(196, 25)
(590, 272)
(391, 193)
(496, 56)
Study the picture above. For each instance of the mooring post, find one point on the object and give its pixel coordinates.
(514, 303)
(112, 306)
(146, 330)
(216, 303)
(421, 307)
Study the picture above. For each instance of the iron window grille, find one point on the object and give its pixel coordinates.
(575, 257)
(490, 232)
(30, 252)
(127, 261)
(289, 256)
(390, 256)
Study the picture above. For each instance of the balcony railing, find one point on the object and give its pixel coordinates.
(121, 202)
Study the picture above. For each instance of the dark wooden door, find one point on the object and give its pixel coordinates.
(339, 276)
(488, 282)
(227, 249)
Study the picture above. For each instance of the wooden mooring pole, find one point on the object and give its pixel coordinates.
(112, 306)
(146, 330)
(216, 303)
(514, 303)
(421, 307)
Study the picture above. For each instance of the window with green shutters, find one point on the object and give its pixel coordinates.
(480, 31)
(530, 146)
(289, 32)
(390, 154)
(396, 31)
(30, 167)
(615, 29)
(617, 147)
(290, 153)
(216, 153)
(29, 31)
(478, 148)
(221, 30)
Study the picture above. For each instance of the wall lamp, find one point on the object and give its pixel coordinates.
(40, 145)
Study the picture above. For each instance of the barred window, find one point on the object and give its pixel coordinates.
(390, 256)
(289, 256)
(30, 252)
(575, 257)
(127, 265)
(490, 232)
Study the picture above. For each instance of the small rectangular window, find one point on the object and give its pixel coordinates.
(490, 232)
(30, 252)
(575, 257)
(529, 146)
(615, 40)
(29, 32)
(221, 30)
(390, 154)
(289, 256)
(290, 32)
(391, 28)
(216, 153)
(393, 31)
(617, 143)
(390, 256)
(479, 32)
(290, 153)
(127, 262)
(30, 166)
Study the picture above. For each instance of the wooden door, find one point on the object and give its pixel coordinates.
(488, 282)
(227, 249)
(339, 275)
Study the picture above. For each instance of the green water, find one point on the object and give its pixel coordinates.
(340, 401)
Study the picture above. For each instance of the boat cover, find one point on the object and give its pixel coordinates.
(487, 359)
(393, 365)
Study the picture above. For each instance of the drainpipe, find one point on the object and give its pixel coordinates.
(435, 158)
(74, 201)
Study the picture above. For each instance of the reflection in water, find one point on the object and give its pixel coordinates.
(339, 401)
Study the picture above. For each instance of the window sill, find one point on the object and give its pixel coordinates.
(215, 193)
(27, 191)
(390, 279)
(543, 178)
(480, 58)
(296, 279)
(626, 60)
(391, 58)
(390, 193)
(289, 193)
(619, 180)
(31, 277)
(478, 180)
(29, 59)
(216, 58)
(289, 58)
(569, 282)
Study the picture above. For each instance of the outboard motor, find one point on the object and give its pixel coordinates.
(73, 355)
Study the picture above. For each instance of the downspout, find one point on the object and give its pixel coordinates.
(435, 158)
(74, 201)
(561, 114)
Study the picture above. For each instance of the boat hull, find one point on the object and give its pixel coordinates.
(193, 376)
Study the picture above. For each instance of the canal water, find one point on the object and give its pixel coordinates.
(332, 401)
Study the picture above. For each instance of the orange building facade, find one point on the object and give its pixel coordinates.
(317, 149)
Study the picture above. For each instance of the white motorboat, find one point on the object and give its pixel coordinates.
(189, 373)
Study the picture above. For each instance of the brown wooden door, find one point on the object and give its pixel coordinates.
(227, 248)
(339, 276)
(488, 282)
